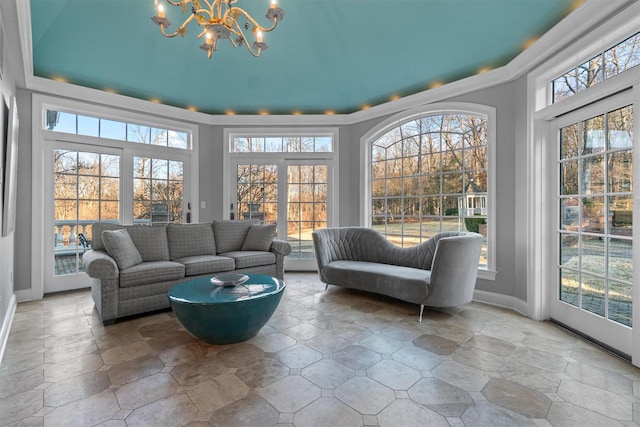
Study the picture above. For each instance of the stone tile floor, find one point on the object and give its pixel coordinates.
(335, 358)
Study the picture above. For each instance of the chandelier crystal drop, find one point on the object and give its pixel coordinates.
(220, 19)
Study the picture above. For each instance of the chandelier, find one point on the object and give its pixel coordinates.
(219, 19)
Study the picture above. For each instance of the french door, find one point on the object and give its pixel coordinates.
(86, 188)
(293, 194)
(90, 183)
(592, 290)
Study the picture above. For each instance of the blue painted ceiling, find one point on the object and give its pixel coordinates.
(326, 55)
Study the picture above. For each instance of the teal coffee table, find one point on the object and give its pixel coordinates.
(225, 315)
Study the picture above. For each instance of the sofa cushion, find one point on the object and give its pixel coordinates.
(230, 234)
(246, 259)
(405, 283)
(121, 248)
(151, 242)
(204, 264)
(259, 237)
(96, 234)
(187, 240)
(151, 272)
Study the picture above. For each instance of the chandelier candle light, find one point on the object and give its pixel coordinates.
(219, 20)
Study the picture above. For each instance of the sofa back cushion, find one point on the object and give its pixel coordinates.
(259, 237)
(121, 248)
(190, 239)
(96, 233)
(366, 244)
(151, 241)
(230, 234)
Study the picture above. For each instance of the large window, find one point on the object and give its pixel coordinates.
(80, 124)
(282, 144)
(99, 164)
(430, 174)
(613, 61)
(596, 214)
(579, 194)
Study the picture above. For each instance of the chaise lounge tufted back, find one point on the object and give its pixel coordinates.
(366, 244)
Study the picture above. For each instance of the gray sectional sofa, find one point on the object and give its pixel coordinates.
(132, 267)
(440, 272)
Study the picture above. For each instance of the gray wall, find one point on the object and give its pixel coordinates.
(7, 89)
(508, 99)
(503, 99)
(210, 173)
(22, 252)
(509, 114)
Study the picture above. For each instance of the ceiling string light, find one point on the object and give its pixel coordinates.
(219, 19)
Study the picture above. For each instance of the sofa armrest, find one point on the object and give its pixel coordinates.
(99, 265)
(454, 270)
(280, 247)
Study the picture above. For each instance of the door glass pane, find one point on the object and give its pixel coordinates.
(569, 286)
(569, 250)
(86, 190)
(593, 135)
(620, 302)
(569, 142)
(592, 253)
(306, 206)
(593, 175)
(257, 192)
(569, 177)
(158, 191)
(596, 221)
(593, 293)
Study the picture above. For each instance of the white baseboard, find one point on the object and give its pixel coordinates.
(500, 300)
(6, 325)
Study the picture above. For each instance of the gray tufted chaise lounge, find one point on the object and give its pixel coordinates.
(440, 272)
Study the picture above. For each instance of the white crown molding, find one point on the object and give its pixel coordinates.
(23, 10)
(80, 93)
(577, 23)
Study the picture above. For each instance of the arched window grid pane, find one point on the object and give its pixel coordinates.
(429, 174)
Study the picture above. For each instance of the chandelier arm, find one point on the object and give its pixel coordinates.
(176, 32)
(256, 54)
(250, 19)
(236, 32)
(236, 29)
(208, 11)
(181, 2)
(204, 12)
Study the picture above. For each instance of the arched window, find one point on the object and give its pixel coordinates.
(428, 171)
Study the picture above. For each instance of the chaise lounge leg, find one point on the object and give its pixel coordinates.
(421, 310)
(326, 287)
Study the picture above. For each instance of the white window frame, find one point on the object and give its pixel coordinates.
(489, 272)
(41, 137)
(540, 178)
